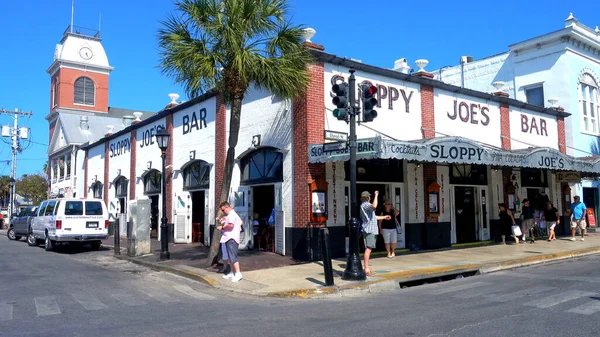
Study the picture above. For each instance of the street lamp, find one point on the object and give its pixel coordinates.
(162, 139)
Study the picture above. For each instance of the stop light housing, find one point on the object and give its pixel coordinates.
(369, 102)
(340, 100)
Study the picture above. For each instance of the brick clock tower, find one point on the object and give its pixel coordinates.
(79, 73)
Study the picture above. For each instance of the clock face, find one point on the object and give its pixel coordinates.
(85, 53)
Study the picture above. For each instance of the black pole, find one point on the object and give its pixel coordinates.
(354, 270)
(117, 234)
(164, 233)
(326, 253)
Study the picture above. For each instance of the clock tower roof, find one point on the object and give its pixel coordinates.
(80, 48)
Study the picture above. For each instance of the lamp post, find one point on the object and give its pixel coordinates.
(162, 139)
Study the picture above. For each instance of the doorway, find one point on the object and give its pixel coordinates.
(154, 216)
(371, 188)
(263, 203)
(464, 214)
(198, 208)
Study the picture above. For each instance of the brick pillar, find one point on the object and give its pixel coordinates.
(427, 112)
(505, 126)
(429, 176)
(106, 167)
(169, 173)
(132, 168)
(85, 175)
(220, 147)
(309, 126)
(562, 142)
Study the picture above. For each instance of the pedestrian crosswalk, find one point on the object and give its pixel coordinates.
(575, 301)
(57, 304)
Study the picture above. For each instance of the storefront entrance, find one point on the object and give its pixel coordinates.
(464, 214)
(263, 203)
(198, 215)
(154, 214)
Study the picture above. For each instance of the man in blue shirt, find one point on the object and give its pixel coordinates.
(578, 215)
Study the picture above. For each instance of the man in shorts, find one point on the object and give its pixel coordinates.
(231, 229)
(528, 218)
(370, 226)
(578, 214)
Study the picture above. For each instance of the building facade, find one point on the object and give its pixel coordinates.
(558, 68)
(445, 155)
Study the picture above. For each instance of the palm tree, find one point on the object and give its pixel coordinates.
(228, 46)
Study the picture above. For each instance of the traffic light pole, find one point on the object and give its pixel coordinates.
(354, 270)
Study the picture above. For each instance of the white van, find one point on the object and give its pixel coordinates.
(69, 220)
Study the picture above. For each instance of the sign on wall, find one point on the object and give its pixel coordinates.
(530, 128)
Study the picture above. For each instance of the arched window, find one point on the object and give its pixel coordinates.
(152, 182)
(121, 184)
(97, 190)
(196, 175)
(589, 98)
(262, 166)
(84, 91)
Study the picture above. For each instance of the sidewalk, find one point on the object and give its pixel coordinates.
(281, 276)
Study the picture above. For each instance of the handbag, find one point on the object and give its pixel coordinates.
(398, 226)
(516, 230)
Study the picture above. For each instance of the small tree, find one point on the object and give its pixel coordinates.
(229, 45)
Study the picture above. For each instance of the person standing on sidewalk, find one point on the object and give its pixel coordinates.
(507, 220)
(388, 229)
(578, 214)
(231, 229)
(552, 219)
(528, 218)
(369, 225)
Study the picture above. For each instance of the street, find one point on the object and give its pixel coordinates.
(77, 292)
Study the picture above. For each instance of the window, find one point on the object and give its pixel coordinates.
(588, 96)
(196, 175)
(55, 94)
(535, 95)
(56, 207)
(97, 190)
(152, 182)
(121, 187)
(262, 166)
(93, 208)
(468, 175)
(50, 208)
(74, 208)
(84, 91)
(42, 208)
(68, 164)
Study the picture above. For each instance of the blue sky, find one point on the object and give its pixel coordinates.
(378, 34)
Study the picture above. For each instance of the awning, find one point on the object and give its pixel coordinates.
(458, 150)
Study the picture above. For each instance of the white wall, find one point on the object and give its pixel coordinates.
(147, 150)
(80, 173)
(469, 117)
(95, 166)
(529, 128)
(414, 193)
(443, 179)
(336, 195)
(119, 155)
(402, 121)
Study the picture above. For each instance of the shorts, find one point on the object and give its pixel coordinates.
(551, 224)
(232, 250)
(528, 224)
(224, 252)
(390, 235)
(578, 223)
(370, 240)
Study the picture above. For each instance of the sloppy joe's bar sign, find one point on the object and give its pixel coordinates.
(456, 150)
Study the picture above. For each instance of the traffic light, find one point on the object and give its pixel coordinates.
(340, 101)
(369, 101)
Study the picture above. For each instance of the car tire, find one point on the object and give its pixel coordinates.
(11, 234)
(31, 240)
(48, 244)
(95, 245)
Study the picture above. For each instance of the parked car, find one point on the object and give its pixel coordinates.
(70, 220)
(20, 225)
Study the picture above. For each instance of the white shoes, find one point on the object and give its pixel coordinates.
(228, 276)
(572, 239)
(237, 277)
(582, 239)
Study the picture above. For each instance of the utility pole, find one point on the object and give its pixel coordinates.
(15, 133)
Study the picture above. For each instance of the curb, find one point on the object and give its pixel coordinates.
(387, 282)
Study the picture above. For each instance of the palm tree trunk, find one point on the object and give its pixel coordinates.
(234, 130)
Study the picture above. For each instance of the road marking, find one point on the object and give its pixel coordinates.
(88, 301)
(158, 295)
(553, 300)
(459, 287)
(193, 293)
(128, 299)
(518, 294)
(46, 306)
(587, 309)
(6, 311)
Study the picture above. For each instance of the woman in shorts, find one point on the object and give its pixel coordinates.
(387, 228)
